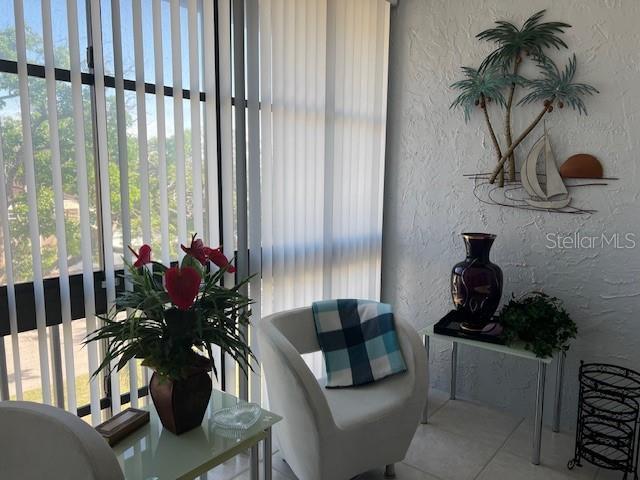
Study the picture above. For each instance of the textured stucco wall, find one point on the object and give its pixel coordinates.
(428, 202)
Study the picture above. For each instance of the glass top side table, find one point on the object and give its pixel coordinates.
(153, 453)
(516, 350)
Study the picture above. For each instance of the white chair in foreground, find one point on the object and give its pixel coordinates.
(39, 441)
(336, 434)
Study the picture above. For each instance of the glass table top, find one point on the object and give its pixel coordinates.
(153, 453)
(516, 349)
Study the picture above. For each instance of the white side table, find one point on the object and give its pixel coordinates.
(517, 351)
(155, 453)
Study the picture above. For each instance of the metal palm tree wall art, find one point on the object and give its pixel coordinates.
(533, 38)
(497, 80)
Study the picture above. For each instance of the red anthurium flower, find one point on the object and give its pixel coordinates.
(182, 285)
(217, 257)
(143, 256)
(197, 250)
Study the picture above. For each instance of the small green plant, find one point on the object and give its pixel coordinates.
(539, 321)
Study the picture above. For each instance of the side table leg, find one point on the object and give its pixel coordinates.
(254, 463)
(454, 370)
(267, 453)
(557, 405)
(537, 425)
(425, 411)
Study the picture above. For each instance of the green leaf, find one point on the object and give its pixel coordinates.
(477, 85)
(556, 85)
(531, 39)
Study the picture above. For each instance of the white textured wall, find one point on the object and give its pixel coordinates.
(428, 202)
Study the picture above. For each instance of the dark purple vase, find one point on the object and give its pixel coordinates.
(476, 283)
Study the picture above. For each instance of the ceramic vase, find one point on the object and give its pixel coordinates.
(476, 282)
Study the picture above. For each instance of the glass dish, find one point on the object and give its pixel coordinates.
(239, 417)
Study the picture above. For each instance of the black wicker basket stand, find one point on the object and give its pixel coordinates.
(608, 418)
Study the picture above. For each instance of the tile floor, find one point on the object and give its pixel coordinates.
(463, 441)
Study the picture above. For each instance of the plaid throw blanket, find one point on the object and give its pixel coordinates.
(358, 340)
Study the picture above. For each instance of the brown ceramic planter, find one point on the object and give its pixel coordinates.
(181, 404)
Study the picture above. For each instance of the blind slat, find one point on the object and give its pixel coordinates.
(241, 220)
(123, 169)
(83, 196)
(226, 138)
(61, 240)
(30, 181)
(8, 268)
(277, 29)
(161, 130)
(211, 143)
(196, 141)
(266, 140)
(253, 180)
(141, 110)
(178, 118)
(105, 197)
(211, 123)
(143, 149)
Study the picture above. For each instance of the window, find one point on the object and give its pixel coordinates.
(145, 173)
(119, 126)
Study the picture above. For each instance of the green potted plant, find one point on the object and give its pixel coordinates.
(539, 321)
(170, 319)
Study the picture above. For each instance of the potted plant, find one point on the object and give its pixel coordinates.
(170, 318)
(539, 321)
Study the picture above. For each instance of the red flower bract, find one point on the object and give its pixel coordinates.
(182, 285)
(143, 256)
(217, 257)
(197, 250)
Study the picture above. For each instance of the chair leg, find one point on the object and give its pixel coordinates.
(390, 471)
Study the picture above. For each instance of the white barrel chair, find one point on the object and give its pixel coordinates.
(336, 434)
(39, 441)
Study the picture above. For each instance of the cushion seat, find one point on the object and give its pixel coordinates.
(355, 406)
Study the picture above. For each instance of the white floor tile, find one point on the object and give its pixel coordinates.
(604, 474)
(557, 449)
(506, 465)
(276, 475)
(475, 421)
(403, 472)
(437, 399)
(447, 455)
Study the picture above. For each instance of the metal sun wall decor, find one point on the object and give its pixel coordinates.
(539, 184)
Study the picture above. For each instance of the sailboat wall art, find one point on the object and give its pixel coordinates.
(554, 194)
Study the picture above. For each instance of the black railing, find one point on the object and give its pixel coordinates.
(63, 75)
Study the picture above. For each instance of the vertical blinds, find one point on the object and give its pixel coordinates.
(323, 82)
(144, 106)
(258, 124)
(323, 91)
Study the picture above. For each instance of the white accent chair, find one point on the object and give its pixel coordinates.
(39, 441)
(336, 434)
